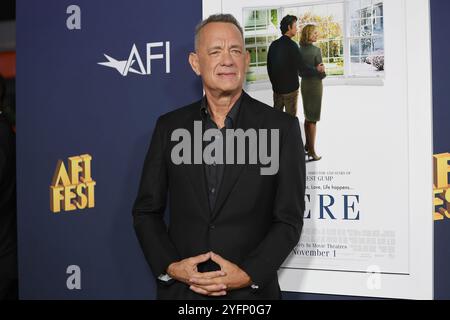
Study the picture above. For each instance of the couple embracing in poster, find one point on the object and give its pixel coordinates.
(287, 61)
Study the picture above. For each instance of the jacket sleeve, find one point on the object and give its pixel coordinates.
(270, 64)
(289, 206)
(149, 207)
(318, 56)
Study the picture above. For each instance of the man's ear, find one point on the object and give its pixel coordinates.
(193, 61)
(291, 26)
(247, 60)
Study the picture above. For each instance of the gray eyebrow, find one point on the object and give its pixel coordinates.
(220, 47)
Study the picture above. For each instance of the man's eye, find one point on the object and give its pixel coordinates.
(214, 52)
(236, 51)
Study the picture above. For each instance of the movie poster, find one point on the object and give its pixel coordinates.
(361, 220)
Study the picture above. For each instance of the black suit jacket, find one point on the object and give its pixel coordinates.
(285, 64)
(8, 225)
(257, 219)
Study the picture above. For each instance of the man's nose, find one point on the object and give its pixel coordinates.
(226, 58)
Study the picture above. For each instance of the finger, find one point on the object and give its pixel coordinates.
(204, 282)
(208, 290)
(212, 288)
(205, 292)
(199, 290)
(210, 275)
(200, 258)
(219, 293)
(218, 259)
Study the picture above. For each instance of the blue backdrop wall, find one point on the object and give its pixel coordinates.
(69, 105)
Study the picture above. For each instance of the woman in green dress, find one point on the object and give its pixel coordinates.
(311, 87)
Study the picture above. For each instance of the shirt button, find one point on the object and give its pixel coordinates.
(213, 190)
(211, 226)
(214, 164)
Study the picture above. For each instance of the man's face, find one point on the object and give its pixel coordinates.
(220, 59)
(292, 29)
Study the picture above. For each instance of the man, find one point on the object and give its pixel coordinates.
(284, 65)
(8, 227)
(230, 226)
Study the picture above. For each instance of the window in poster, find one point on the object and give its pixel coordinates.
(351, 37)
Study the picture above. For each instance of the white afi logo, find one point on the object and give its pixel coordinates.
(126, 66)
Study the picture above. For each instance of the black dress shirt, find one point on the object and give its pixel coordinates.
(214, 171)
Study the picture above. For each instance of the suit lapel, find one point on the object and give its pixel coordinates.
(196, 172)
(248, 118)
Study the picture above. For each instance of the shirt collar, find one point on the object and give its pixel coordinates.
(232, 114)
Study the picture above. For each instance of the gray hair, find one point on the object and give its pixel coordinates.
(219, 17)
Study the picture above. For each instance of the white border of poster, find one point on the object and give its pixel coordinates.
(398, 148)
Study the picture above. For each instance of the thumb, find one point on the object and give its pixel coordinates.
(218, 259)
(201, 258)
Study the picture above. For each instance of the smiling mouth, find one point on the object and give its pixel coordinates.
(227, 74)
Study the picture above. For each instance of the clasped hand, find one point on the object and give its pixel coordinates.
(213, 283)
